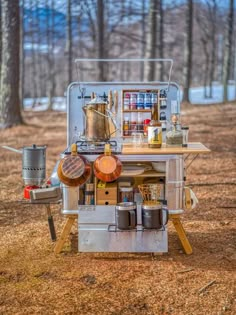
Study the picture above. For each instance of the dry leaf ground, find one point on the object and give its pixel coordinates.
(35, 281)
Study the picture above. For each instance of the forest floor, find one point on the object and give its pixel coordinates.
(33, 280)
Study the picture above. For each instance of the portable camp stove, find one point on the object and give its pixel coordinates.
(91, 147)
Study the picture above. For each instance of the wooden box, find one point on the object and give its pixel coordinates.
(107, 195)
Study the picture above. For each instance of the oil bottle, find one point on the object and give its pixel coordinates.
(154, 129)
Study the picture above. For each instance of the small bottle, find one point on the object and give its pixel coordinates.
(185, 130)
(140, 123)
(133, 101)
(133, 123)
(140, 101)
(126, 101)
(154, 129)
(126, 126)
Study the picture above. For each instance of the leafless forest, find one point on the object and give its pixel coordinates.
(57, 32)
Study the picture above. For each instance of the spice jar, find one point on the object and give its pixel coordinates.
(126, 194)
(126, 101)
(133, 123)
(126, 127)
(133, 101)
(146, 122)
(185, 130)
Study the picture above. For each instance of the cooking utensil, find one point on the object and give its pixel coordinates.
(97, 120)
(107, 167)
(74, 169)
(33, 164)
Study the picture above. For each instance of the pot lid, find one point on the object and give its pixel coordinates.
(97, 100)
(35, 147)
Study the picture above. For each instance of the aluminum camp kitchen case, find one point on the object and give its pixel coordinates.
(96, 223)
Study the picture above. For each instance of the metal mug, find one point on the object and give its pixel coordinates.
(154, 216)
(126, 216)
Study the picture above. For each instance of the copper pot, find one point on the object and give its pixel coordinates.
(74, 169)
(107, 167)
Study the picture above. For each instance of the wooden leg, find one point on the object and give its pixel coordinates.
(65, 232)
(181, 233)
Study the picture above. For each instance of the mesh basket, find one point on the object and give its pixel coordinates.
(150, 193)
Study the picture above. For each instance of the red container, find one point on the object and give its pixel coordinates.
(27, 191)
(146, 122)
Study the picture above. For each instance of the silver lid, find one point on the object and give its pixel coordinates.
(151, 207)
(126, 206)
(96, 100)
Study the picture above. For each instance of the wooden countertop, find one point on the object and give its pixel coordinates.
(193, 147)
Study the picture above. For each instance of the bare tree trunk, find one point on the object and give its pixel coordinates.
(143, 36)
(51, 63)
(161, 39)
(100, 44)
(228, 50)
(188, 50)
(149, 72)
(206, 66)
(69, 41)
(213, 45)
(10, 113)
(40, 76)
(22, 55)
(33, 59)
(0, 41)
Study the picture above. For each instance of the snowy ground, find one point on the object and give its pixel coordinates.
(196, 97)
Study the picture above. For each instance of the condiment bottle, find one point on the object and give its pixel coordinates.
(185, 130)
(154, 129)
(126, 126)
(126, 101)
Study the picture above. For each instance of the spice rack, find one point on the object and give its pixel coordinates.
(136, 109)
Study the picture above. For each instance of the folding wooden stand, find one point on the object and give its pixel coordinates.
(175, 218)
(65, 233)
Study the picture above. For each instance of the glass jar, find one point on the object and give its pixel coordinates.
(185, 130)
(126, 194)
(175, 136)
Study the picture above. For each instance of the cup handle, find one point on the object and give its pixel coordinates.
(132, 220)
(167, 216)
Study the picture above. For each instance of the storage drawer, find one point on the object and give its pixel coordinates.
(108, 192)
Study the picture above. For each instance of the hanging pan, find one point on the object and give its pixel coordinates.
(74, 170)
(107, 167)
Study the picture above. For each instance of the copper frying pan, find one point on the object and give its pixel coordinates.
(107, 167)
(74, 169)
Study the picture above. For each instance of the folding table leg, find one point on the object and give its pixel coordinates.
(181, 233)
(65, 232)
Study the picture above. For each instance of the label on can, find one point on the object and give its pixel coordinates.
(154, 135)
